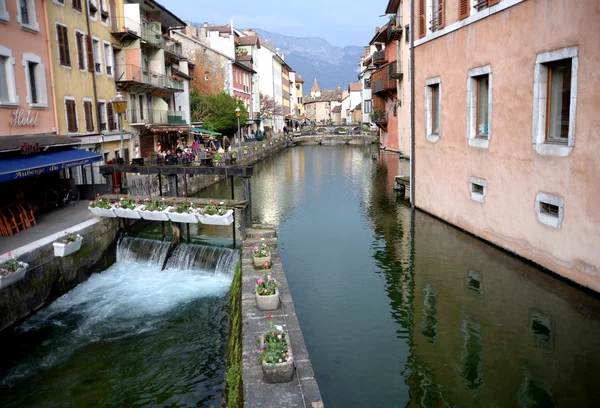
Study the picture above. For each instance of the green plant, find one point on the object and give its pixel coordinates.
(246, 149)
(264, 144)
(233, 154)
(11, 265)
(217, 157)
(266, 285)
(274, 348)
(154, 205)
(261, 251)
(233, 391)
(183, 208)
(127, 204)
(255, 145)
(213, 209)
(68, 238)
(99, 202)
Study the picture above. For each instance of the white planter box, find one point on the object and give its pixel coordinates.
(101, 212)
(226, 219)
(269, 302)
(13, 277)
(260, 262)
(126, 213)
(61, 249)
(185, 218)
(155, 215)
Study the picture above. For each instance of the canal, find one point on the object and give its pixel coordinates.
(398, 309)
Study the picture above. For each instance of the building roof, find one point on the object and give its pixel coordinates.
(392, 7)
(250, 40)
(176, 21)
(13, 143)
(315, 86)
(245, 65)
(355, 86)
(380, 35)
(337, 109)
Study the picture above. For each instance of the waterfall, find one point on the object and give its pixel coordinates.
(142, 250)
(207, 258)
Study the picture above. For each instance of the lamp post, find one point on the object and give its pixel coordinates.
(238, 112)
(119, 104)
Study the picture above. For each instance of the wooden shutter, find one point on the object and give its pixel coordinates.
(463, 9)
(440, 16)
(89, 118)
(110, 116)
(493, 2)
(71, 116)
(64, 56)
(80, 54)
(422, 19)
(90, 53)
(77, 4)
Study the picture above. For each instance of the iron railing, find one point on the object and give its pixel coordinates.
(160, 116)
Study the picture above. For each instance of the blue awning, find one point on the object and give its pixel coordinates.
(22, 167)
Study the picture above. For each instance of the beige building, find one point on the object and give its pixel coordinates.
(506, 129)
(319, 104)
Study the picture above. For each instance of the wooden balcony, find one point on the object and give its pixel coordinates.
(379, 57)
(395, 70)
(394, 32)
(381, 81)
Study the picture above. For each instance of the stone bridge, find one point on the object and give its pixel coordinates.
(328, 137)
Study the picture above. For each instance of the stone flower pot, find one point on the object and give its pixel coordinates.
(269, 302)
(102, 212)
(13, 277)
(155, 215)
(281, 372)
(259, 262)
(61, 249)
(226, 219)
(127, 213)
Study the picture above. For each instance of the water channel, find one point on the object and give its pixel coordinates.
(397, 308)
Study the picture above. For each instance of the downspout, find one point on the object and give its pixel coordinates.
(412, 104)
(52, 90)
(97, 108)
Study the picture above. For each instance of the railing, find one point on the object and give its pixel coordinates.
(133, 73)
(379, 57)
(381, 81)
(150, 35)
(395, 70)
(176, 118)
(124, 25)
(394, 32)
(146, 115)
(380, 116)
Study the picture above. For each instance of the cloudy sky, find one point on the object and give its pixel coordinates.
(341, 22)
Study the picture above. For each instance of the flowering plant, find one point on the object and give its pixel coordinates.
(274, 348)
(261, 251)
(154, 205)
(127, 204)
(183, 208)
(9, 267)
(264, 143)
(233, 154)
(266, 285)
(99, 202)
(246, 149)
(67, 238)
(255, 145)
(213, 209)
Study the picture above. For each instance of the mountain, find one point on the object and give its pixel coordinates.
(314, 57)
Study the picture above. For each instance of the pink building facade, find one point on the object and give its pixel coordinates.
(242, 85)
(26, 98)
(506, 127)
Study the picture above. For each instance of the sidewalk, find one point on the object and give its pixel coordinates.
(48, 223)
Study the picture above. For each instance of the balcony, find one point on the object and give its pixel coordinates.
(156, 116)
(150, 34)
(394, 32)
(381, 81)
(122, 27)
(379, 57)
(256, 116)
(176, 118)
(395, 71)
(380, 117)
(136, 78)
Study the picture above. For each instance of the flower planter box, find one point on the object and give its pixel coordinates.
(226, 219)
(13, 277)
(281, 372)
(269, 302)
(102, 212)
(183, 217)
(259, 262)
(62, 249)
(155, 215)
(127, 213)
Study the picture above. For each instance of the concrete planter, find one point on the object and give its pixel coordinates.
(280, 372)
(62, 249)
(102, 212)
(127, 213)
(269, 302)
(13, 277)
(155, 215)
(183, 217)
(259, 262)
(226, 219)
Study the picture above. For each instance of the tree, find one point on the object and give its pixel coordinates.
(218, 112)
(269, 106)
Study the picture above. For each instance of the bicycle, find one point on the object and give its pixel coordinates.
(70, 196)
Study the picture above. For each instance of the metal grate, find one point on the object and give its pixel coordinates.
(549, 209)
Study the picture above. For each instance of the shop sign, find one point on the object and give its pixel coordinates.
(21, 119)
(28, 148)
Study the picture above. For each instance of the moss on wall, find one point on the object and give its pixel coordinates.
(233, 391)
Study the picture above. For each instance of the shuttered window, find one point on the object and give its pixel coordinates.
(71, 109)
(493, 2)
(64, 56)
(111, 116)
(80, 50)
(77, 5)
(463, 9)
(422, 19)
(89, 116)
(440, 14)
(90, 53)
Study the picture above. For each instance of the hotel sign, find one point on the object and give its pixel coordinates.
(21, 119)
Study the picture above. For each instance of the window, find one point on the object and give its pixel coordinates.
(433, 109)
(26, 15)
(478, 189)
(549, 209)
(77, 5)
(71, 113)
(368, 108)
(24, 12)
(555, 101)
(88, 114)
(103, 11)
(93, 9)
(32, 84)
(35, 79)
(108, 58)
(4, 16)
(110, 117)
(97, 56)
(64, 56)
(436, 15)
(4, 96)
(102, 113)
(479, 106)
(407, 34)
(8, 89)
(79, 42)
(367, 83)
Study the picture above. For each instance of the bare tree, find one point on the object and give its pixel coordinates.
(268, 106)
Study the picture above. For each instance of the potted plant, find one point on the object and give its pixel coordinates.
(183, 212)
(264, 143)
(101, 207)
(233, 156)
(267, 293)
(11, 271)
(255, 145)
(261, 256)
(67, 244)
(217, 159)
(274, 353)
(216, 215)
(127, 208)
(246, 150)
(154, 210)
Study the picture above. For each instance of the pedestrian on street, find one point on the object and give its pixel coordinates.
(169, 159)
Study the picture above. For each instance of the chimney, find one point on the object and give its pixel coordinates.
(205, 24)
(213, 23)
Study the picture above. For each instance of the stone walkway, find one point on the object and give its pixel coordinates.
(303, 390)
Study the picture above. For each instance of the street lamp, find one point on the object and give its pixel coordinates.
(238, 112)
(119, 104)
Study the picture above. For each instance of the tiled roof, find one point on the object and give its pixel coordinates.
(355, 86)
(337, 109)
(248, 40)
(315, 86)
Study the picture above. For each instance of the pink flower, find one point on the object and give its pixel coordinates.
(260, 281)
(137, 200)
(9, 254)
(279, 337)
(270, 279)
(255, 248)
(91, 202)
(266, 264)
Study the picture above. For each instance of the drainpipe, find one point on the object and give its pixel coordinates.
(412, 103)
(97, 109)
(48, 47)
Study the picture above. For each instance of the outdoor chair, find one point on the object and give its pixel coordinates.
(9, 219)
(27, 213)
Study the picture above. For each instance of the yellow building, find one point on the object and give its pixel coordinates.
(300, 95)
(285, 86)
(83, 71)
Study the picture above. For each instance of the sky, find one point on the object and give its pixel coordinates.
(341, 22)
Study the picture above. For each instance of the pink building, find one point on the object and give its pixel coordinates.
(506, 126)
(26, 99)
(242, 83)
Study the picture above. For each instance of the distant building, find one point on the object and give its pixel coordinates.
(320, 103)
(300, 97)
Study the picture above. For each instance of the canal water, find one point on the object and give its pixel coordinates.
(398, 309)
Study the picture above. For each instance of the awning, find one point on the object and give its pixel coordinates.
(15, 169)
(204, 131)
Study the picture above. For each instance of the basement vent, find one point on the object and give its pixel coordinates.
(549, 209)
(478, 189)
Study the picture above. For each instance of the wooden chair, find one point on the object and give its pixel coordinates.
(9, 219)
(4, 230)
(27, 212)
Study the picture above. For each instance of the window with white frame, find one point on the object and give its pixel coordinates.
(108, 58)
(433, 109)
(88, 114)
(368, 106)
(71, 114)
(26, 15)
(8, 89)
(93, 9)
(555, 101)
(97, 55)
(479, 106)
(549, 209)
(478, 189)
(104, 11)
(35, 79)
(102, 113)
(4, 16)
(80, 44)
